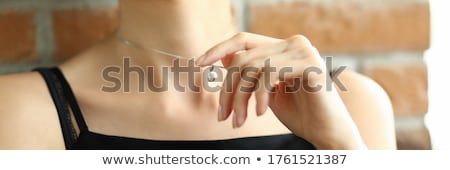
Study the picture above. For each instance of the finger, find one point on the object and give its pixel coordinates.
(302, 61)
(263, 85)
(229, 87)
(273, 68)
(239, 42)
(242, 58)
(267, 82)
(283, 67)
(301, 48)
(262, 95)
(244, 90)
(298, 41)
(227, 92)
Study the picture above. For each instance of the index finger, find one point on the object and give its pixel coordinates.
(240, 41)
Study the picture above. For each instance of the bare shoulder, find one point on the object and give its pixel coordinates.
(28, 119)
(370, 108)
(359, 90)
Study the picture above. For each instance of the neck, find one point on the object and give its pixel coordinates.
(185, 28)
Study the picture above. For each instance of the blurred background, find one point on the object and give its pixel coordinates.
(401, 44)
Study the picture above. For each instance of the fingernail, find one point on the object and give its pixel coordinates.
(234, 121)
(200, 60)
(240, 120)
(220, 114)
(260, 112)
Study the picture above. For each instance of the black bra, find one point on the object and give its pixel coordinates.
(67, 106)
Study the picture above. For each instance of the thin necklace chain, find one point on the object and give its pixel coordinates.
(137, 46)
(212, 76)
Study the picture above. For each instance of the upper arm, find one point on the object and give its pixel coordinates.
(28, 119)
(370, 109)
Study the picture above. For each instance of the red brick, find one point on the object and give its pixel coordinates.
(406, 85)
(77, 29)
(17, 37)
(348, 26)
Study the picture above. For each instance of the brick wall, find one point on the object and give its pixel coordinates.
(383, 39)
(46, 32)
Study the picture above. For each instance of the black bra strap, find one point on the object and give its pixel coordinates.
(62, 96)
(68, 93)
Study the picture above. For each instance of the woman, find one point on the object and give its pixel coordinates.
(359, 118)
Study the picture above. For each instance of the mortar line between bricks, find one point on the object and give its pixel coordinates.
(25, 5)
(45, 44)
(245, 15)
(359, 65)
(239, 7)
(17, 67)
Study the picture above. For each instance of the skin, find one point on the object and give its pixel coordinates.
(359, 118)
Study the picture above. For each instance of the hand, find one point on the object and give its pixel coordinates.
(312, 112)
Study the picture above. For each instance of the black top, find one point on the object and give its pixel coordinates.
(67, 106)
